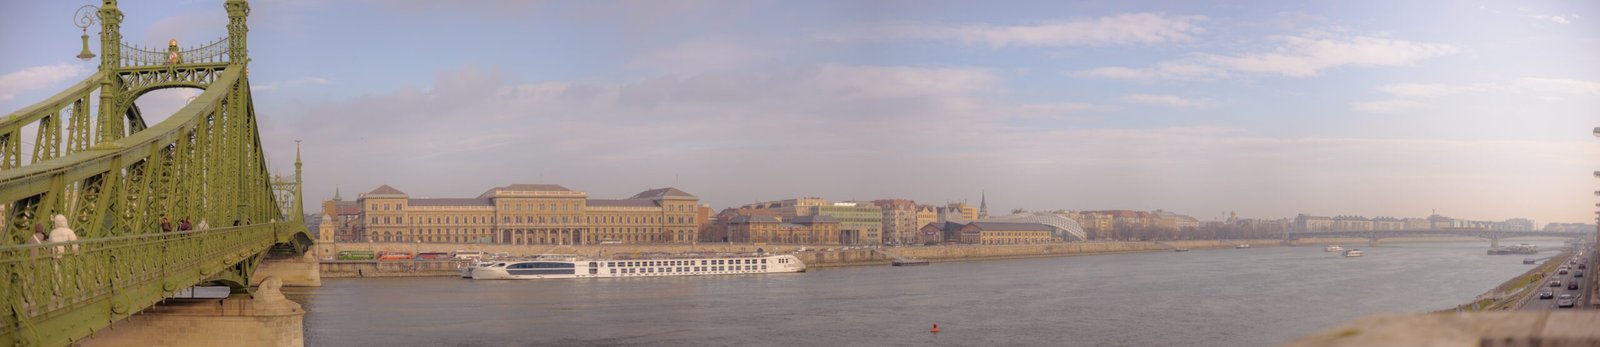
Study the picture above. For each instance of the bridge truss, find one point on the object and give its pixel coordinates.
(88, 154)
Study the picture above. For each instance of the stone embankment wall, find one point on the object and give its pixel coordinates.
(813, 255)
(402, 268)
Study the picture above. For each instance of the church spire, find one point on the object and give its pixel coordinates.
(983, 205)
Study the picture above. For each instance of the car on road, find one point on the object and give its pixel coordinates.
(1583, 266)
(1572, 286)
(1545, 295)
(1564, 303)
(1577, 274)
(1555, 283)
(1562, 272)
(1565, 296)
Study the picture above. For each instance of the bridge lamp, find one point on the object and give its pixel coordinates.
(89, 15)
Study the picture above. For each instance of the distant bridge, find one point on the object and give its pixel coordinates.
(1494, 236)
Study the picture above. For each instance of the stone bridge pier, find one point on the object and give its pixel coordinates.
(294, 271)
(263, 318)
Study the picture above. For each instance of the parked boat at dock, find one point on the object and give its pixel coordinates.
(665, 266)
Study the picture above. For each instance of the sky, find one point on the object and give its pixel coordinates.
(1474, 109)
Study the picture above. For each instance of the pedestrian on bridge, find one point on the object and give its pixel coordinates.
(166, 224)
(37, 238)
(62, 233)
(202, 226)
(184, 225)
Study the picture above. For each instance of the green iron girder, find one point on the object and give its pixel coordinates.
(125, 186)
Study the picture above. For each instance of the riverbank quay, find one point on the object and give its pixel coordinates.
(1488, 329)
(814, 256)
(1511, 294)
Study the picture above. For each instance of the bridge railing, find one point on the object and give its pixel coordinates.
(211, 52)
(58, 292)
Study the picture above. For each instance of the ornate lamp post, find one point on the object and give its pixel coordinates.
(87, 16)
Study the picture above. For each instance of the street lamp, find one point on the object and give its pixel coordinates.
(89, 15)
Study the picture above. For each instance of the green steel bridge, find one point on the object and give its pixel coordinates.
(89, 155)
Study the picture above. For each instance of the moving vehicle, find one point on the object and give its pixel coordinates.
(1577, 274)
(1546, 295)
(1564, 303)
(1555, 283)
(469, 254)
(433, 256)
(1333, 248)
(1572, 285)
(1563, 271)
(1242, 245)
(356, 255)
(603, 268)
(394, 256)
(1352, 253)
(1529, 261)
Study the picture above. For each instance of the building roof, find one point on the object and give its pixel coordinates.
(346, 208)
(754, 219)
(813, 219)
(385, 190)
(660, 193)
(449, 202)
(621, 203)
(1012, 226)
(524, 187)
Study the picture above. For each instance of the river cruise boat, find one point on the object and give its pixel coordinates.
(1333, 248)
(1242, 245)
(606, 268)
(1352, 253)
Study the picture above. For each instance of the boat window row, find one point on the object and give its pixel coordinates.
(541, 265)
(651, 270)
(659, 263)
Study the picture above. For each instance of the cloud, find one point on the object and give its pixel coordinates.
(1427, 90)
(707, 54)
(36, 78)
(1061, 108)
(1164, 100)
(1387, 106)
(1294, 56)
(1122, 29)
(1559, 85)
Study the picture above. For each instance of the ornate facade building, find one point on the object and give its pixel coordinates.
(529, 214)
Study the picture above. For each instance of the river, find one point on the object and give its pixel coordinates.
(1224, 297)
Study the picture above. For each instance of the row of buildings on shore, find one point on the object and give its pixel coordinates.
(549, 214)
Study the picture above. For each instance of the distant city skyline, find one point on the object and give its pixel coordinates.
(1477, 111)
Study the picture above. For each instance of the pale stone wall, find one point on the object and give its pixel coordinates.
(301, 272)
(208, 322)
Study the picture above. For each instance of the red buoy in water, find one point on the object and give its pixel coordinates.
(935, 329)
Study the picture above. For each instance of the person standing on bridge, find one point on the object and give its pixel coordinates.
(184, 225)
(62, 234)
(166, 224)
(37, 238)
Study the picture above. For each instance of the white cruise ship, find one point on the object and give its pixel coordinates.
(604, 268)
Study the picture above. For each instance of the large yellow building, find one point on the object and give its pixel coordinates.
(529, 214)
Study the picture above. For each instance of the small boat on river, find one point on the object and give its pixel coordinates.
(1333, 248)
(1352, 253)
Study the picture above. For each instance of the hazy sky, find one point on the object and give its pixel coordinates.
(1479, 109)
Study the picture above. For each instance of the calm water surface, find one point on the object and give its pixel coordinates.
(1225, 297)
